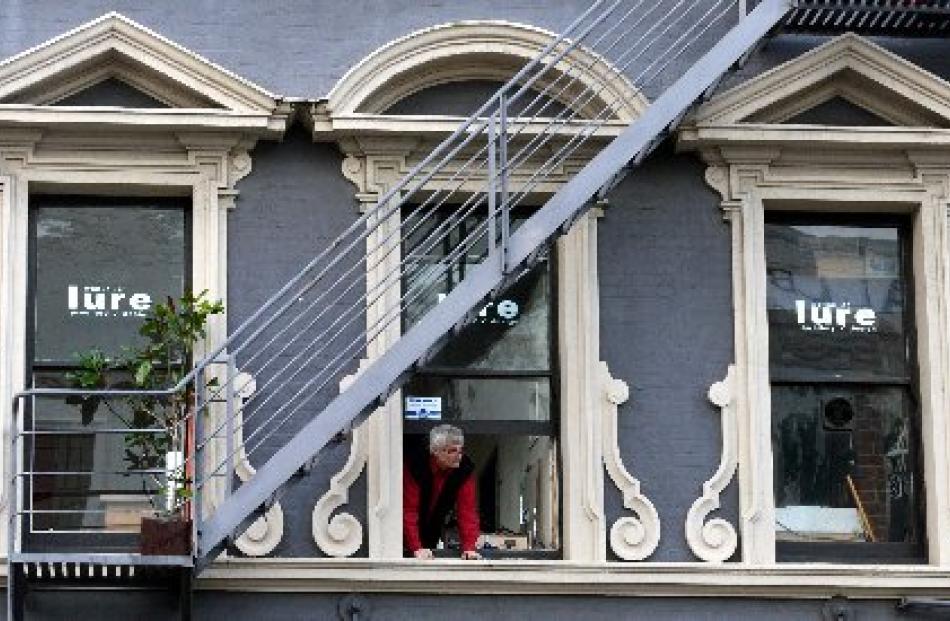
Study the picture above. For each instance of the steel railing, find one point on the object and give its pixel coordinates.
(356, 298)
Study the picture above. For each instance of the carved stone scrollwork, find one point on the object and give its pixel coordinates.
(715, 541)
(240, 166)
(631, 538)
(265, 533)
(341, 534)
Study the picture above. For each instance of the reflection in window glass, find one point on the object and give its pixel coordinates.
(835, 302)
(844, 432)
(479, 399)
(511, 332)
(98, 267)
(839, 448)
(98, 271)
(493, 379)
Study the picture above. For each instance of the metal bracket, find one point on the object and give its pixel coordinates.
(354, 607)
(837, 609)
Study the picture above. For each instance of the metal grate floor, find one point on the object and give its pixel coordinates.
(900, 18)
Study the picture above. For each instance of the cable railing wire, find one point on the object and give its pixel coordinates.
(581, 136)
(328, 283)
(448, 193)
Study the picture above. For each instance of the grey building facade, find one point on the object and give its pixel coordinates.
(737, 360)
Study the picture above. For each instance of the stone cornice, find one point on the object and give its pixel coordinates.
(573, 578)
(198, 93)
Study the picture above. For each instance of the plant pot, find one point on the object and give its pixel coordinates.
(165, 536)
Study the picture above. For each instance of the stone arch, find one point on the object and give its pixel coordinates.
(474, 50)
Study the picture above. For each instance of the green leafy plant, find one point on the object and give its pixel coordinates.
(171, 332)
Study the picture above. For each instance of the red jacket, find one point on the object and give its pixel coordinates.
(465, 508)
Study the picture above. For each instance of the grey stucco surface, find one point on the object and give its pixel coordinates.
(666, 329)
(318, 41)
(378, 607)
(666, 325)
(549, 607)
(111, 93)
(291, 206)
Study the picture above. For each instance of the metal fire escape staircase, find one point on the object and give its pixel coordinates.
(642, 38)
(269, 394)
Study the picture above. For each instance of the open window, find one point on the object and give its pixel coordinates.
(845, 420)
(494, 380)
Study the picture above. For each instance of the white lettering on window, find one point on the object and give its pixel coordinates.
(105, 301)
(834, 317)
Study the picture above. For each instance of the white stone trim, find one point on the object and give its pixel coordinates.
(381, 149)
(265, 533)
(888, 86)
(582, 400)
(470, 50)
(202, 167)
(200, 94)
(757, 166)
(341, 535)
(751, 189)
(582, 407)
(119, 35)
(631, 538)
(716, 540)
(569, 578)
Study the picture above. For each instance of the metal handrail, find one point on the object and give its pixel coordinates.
(502, 164)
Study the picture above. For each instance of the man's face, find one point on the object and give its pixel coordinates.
(448, 456)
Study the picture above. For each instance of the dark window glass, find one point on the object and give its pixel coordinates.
(486, 400)
(494, 380)
(97, 267)
(835, 302)
(509, 333)
(844, 424)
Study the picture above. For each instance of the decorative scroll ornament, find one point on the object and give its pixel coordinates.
(715, 541)
(265, 533)
(631, 538)
(341, 534)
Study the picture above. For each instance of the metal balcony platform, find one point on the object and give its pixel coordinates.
(895, 18)
(98, 572)
(109, 559)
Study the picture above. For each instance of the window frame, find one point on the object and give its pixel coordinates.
(750, 186)
(550, 428)
(33, 368)
(378, 151)
(866, 552)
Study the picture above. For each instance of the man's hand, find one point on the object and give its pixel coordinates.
(423, 553)
(471, 555)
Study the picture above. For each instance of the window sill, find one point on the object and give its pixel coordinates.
(568, 578)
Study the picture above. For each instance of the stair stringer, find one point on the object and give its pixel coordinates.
(386, 373)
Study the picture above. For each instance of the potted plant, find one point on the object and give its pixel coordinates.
(160, 426)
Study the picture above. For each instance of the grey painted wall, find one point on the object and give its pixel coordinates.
(666, 329)
(291, 206)
(548, 607)
(310, 607)
(294, 48)
(465, 98)
(298, 47)
(664, 266)
(111, 92)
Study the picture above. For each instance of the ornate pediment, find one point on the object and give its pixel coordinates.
(93, 73)
(849, 69)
